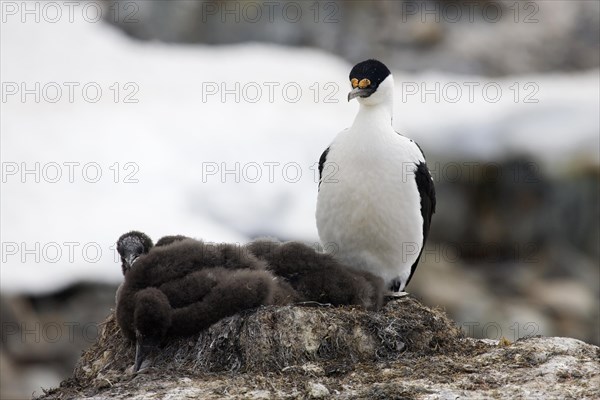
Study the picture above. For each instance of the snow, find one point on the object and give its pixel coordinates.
(177, 134)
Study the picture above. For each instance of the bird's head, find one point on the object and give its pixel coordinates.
(130, 246)
(372, 83)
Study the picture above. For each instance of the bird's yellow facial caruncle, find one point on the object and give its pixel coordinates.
(360, 88)
(363, 83)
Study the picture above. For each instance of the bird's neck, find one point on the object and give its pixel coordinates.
(377, 115)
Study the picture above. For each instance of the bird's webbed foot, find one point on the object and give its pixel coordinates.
(394, 290)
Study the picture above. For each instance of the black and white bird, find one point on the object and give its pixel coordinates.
(376, 195)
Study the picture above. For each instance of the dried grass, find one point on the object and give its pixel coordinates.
(277, 339)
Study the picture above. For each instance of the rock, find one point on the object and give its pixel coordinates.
(259, 394)
(44, 334)
(317, 390)
(565, 296)
(486, 37)
(404, 351)
(521, 240)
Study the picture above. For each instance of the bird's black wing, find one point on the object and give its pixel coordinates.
(427, 194)
(322, 160)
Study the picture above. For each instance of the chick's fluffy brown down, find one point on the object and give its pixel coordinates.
(182, 286)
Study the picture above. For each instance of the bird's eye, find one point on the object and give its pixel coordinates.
(354, 82)
(364, 83)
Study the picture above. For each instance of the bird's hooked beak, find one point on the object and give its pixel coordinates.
(143, 347)
(358, 92)
(130, 259)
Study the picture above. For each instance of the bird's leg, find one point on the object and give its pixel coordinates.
(395, 285)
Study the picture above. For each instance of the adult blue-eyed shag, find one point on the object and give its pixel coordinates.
(376, 195)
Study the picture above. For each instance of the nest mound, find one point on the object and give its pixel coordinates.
(405, 350)
(271, 339)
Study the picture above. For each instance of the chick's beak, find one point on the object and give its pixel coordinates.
(143, 348)
(130, 259)
(140, 356)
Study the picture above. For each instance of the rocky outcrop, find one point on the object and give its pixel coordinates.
(496, 37)
(313, 351)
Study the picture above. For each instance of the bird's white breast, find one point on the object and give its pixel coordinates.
(368, 207)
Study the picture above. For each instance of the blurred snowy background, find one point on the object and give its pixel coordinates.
(207, 119)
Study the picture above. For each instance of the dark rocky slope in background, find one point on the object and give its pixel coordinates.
(472, 37)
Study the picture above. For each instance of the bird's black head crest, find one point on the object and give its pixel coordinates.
(373, 70)
(366, 76)
(130, 246)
